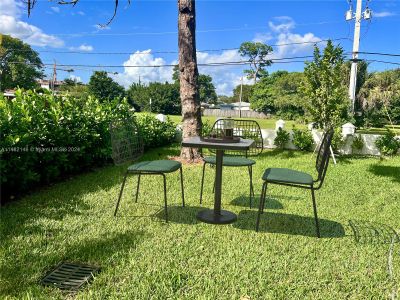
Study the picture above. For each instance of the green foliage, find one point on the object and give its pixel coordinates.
(74, 88)
(303, 139)
(207, 92)
(387, 143)
(247, 91)
(164, 97)
(323, 89)
(337, 139)
(26, 66)
(104, 88)
(46, 137)
(154, 132)
(256, 53)
(279, 94)
(206, 128)
(281, 139)
(358, 143)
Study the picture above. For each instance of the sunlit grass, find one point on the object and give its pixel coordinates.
(142, 257)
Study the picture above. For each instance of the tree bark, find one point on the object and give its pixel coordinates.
(191, 113)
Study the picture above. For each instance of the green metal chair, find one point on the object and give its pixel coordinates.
(299, 179)
(127, 146)
(247, 129)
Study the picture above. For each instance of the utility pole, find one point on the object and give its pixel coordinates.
(54, 79)
(359, 15)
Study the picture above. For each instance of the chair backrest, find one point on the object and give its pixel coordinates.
(323, 156)
(246, 129)
(126, 141)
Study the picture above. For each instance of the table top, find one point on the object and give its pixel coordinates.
(195, 142)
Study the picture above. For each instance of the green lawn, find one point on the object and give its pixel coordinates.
(142, 257)
(264, 123)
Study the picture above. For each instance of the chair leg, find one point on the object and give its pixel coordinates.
(137, 189)
(183, 193)
(165, 198)
(251, 184)
(261, 207)
(120, 194)
(315, 212)
(202, 183)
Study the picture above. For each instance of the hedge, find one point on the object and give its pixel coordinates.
(44, 138)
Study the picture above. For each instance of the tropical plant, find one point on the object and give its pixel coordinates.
(388, 144)
(282, 138)
(358, 143)
(302, 139)
(322, 88)
(104, 88)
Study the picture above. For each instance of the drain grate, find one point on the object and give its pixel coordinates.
(70, 276)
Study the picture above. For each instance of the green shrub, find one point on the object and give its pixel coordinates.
(44, 138)
(303, 139)
(281, 139)
(337, 139)
(154, 132)
(387, 143)
(206, 128)
(358, 143)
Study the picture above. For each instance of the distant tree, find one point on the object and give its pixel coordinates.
(247, 91)
(323, 89)
(20, 65)
(207, 89)
(279, 94)
(225, 99)
(104, 88)
(257, 54)
(164, 97)
(75, 88)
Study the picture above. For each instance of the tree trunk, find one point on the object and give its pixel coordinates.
(191, 112)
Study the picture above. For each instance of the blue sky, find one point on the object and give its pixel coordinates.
(146, 27)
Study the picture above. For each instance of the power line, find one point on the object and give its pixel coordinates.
(384, 62)
(174, 52)
(379, 53)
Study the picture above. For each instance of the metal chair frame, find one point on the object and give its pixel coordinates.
(127, 145)
(241, 127)
(321, 166)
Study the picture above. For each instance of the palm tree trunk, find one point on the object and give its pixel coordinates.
(191, 113)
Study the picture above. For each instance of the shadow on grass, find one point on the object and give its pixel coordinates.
(373, 233)
(100, 252)
(271, 203)
(283, 154)
(387, 171)
(180, 215)
(288, 224)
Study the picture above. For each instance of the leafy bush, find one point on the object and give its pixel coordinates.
(45, 137)
(303, 139)
(282, 137)
(337, 139)
(206, 128)
(154, 132)
(387, 143)
(358, 143)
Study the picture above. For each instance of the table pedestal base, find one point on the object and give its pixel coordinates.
(208, 216)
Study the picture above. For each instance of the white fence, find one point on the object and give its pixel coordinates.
(234, 113)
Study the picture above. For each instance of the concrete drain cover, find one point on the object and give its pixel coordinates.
(70, 276)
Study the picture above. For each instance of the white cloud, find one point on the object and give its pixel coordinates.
(282, 24)
(10, 13)
(81, 13)
(383, 14)
(10, 8)
(28, 33)
(146, 74)
(55, 9)
(83, 47)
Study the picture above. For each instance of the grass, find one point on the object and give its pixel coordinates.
(142, 257)
(264, 123)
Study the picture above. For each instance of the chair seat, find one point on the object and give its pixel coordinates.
(231, 161)
(155, 166)
(287, 176)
